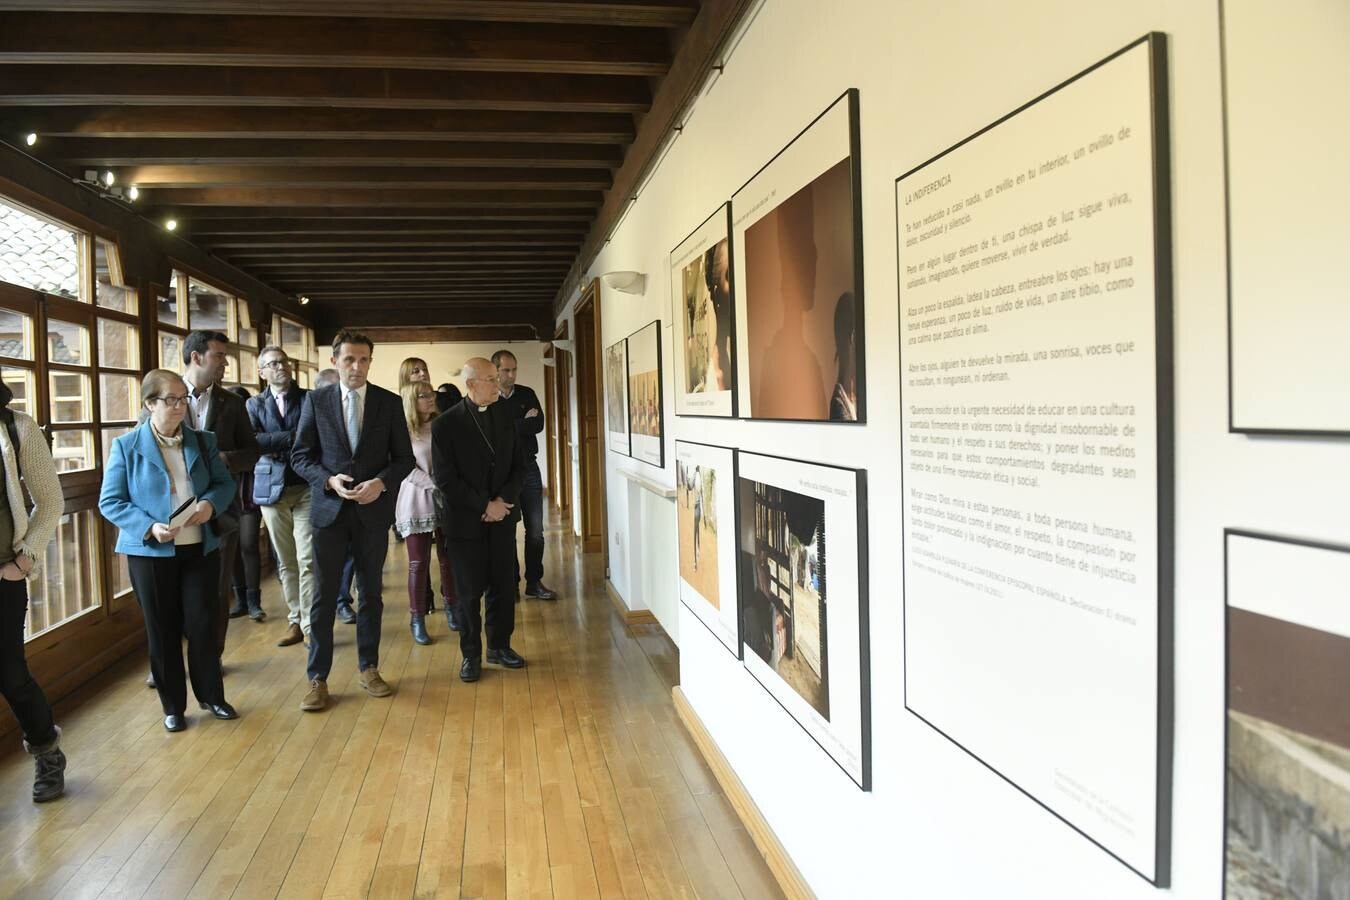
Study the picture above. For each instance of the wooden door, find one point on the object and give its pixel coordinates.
(591, 422)
(562, 369)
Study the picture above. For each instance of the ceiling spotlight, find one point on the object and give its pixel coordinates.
(109, 178)
(304, 301)
(31, 138)
(133, 192)
(171, 224)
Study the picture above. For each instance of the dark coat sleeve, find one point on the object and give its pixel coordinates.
(401, 459)
(245, 454)
(307, 453)
(510, 490)
(534, 424)
(458, 492)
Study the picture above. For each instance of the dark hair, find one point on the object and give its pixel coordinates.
(348, 336)
(6, 394)
(447, 395)
(497, 357)
(197, 342)
(239, 391)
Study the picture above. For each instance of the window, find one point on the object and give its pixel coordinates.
(39, 254)
(67, 587)
(170, 351)
(20, 381)
(109, 290)
(209, 309)
(16, 335)
(119, 345)
(298, 342)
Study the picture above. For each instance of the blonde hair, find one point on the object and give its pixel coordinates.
(410, 412)
(405, 370)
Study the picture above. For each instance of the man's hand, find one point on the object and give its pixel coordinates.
(163, 533)
(368, 491)
(497, 509)
(202, 514)
(338, 485)
(532, 413)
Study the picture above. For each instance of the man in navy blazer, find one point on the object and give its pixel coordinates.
(280, 491)
(353, 449)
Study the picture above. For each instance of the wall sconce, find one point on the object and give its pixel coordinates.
(626, 282)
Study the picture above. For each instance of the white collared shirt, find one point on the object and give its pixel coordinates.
(199, 405)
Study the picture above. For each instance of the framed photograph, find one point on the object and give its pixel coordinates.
(1035, 311)
(705, 512)
(703, 316)
(616, 397)
(645, 420)
(1287, 740)
(797, 246)
(802, 561)
(1288, 314)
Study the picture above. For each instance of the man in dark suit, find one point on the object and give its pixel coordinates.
(279, 490)
(479, 464)
(353, 449)
(212, 408)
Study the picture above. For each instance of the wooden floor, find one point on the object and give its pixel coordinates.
(572, 778)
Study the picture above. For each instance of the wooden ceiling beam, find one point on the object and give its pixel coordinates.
(639, 13)
(345, 261)
(66, 38)
(309, 124)
(526, 242)
(131, 85)
(408, 197)
(361, 177)
(263, 152)
(213, 229)
(343, 215)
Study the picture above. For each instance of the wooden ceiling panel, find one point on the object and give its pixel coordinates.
(361, 177)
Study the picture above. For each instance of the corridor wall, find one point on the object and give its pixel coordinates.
(936, 823)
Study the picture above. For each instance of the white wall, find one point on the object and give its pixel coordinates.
(931, 72)
(447, 358)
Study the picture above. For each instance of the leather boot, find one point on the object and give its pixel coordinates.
(419, 630)
(49, 770)
(240, 605)
(451, 616)
(255, 610)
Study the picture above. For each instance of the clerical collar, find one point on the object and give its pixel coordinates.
(482, 409)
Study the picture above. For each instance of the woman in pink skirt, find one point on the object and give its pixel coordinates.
(416, 516)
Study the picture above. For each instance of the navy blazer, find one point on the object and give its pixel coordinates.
(137, 490)
(383, 451)
(276, 437)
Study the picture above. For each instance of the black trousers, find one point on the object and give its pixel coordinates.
(248, 561)
(229, 549)
(485, 566)
(21, 692)
(178, 596)
(532, 512)
(369, 546)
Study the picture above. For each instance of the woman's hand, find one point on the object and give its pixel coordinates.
(202, 515)
(12, 572)
(163, 533)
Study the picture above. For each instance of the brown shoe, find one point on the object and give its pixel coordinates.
(293, 636)
(317, 698)
(375, 685)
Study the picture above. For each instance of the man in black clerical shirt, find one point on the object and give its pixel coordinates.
(527, 412)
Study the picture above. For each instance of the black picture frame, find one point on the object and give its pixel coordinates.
(628, 426)
(655, 327)
(676, 312)
(1228, 535)
(861, 545)
(851, 97)
(738, 651)
(1233, 427)
(1163, 303)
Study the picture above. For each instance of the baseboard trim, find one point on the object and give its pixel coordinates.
(780, 864)
(629, 616)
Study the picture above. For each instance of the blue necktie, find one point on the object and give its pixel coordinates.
(353, 423)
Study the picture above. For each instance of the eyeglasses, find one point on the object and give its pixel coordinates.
(275, 364)
(172, 402)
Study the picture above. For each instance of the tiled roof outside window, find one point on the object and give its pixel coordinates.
(37, 254)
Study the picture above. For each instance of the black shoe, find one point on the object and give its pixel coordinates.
(255, 610)
(49, 770)
(452, 617)
(539, 591)
(419, 630)
(470, 669)
(175, 722)
(221, 710)
(346, 613)
(506, 657)
(240, 605)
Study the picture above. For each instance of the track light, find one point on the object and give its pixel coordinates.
(31, 138)
(171, 224)
(133, 192)
(304, 301)
(109, 178)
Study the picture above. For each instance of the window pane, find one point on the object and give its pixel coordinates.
(119, 345)
(208, 309)
(170, 351)
(21, 382)
(248, 335)
(38, 254)
(112, 292)
(119, 396)
(121, 575)
(231, 375)
(67, 586)
(16, 335)
(67, 343)
(167, 308)
(70, 397)
(73, 450)
(293, 339)
(248, 367)
(109, 435)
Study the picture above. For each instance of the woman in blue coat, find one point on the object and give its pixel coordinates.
(153, 471)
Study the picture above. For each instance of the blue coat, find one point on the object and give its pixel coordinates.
(137, 490)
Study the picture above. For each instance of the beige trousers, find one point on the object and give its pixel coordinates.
(293, 538)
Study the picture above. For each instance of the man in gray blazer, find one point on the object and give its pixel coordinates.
(353, 449)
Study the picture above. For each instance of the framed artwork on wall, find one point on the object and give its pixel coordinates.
(705, 512)
(703, 316)
(797, 246)
(616, 397)
(802, 563)
(645, 415)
